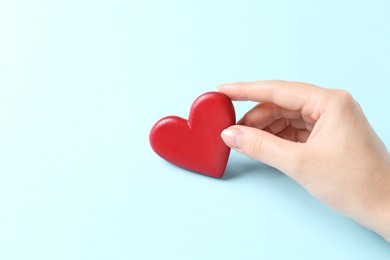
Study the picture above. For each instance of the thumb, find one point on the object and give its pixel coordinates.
(263, 146)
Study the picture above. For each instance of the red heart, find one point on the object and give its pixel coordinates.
(196, 144)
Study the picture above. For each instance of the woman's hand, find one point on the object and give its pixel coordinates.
(320, 138)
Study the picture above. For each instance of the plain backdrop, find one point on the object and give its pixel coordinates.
(82, 82)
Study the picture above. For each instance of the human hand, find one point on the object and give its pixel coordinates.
(320, 138)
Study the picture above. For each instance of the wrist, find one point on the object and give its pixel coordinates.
(382, 227)
(381, 212)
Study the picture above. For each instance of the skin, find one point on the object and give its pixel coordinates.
(321, 138)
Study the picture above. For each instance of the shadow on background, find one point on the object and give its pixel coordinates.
(240, 166)
(266, 180)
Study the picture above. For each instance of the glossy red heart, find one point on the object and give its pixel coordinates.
(196, 144)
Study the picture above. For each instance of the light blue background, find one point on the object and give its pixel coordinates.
(82, 82)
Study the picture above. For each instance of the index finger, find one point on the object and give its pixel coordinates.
(286, 94)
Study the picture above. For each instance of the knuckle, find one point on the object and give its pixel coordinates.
(249, 120)
(359, 107)
(343, 98)
(277, 82)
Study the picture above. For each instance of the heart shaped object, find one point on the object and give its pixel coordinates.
(196, 144)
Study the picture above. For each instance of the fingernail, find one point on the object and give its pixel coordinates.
(233, 137)
(225, 86)
(220, 87)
